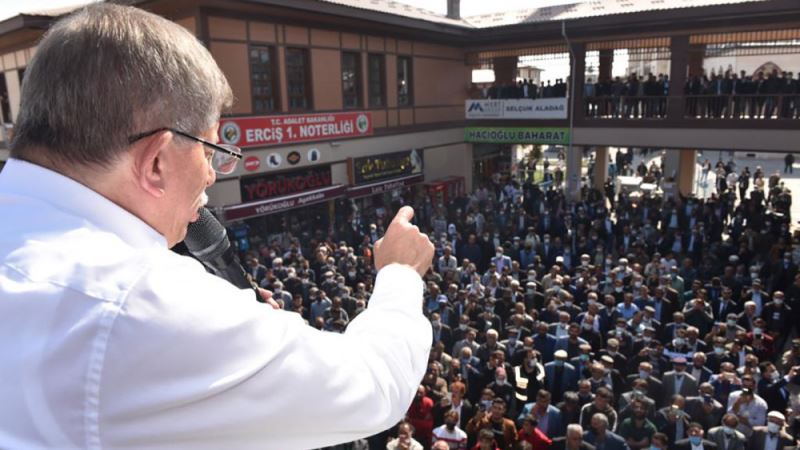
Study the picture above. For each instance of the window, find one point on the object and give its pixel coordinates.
(404, 81)
(376, 80)
(351, 79)
(297, 78)
(263, 79)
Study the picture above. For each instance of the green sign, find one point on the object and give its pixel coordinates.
(517, 135)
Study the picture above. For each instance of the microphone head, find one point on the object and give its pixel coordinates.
(206, 238)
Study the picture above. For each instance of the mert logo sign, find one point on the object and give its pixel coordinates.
(484, 108)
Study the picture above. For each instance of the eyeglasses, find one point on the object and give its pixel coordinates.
(223, 157)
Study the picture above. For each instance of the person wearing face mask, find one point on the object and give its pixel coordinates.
(726, 436)
(778, 318)
(655, 387)
(500, 260)
(757, 296)
(450, 433)
(772, 436)
(695, 441)
(678, 381)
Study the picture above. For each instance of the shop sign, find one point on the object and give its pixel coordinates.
(384, 186)
(274, 160)
(252, 163)
(517, 135)
(526, 108)
(390, 165)
(265, 186)
(279, 204)
(261, 131)
(293, 158)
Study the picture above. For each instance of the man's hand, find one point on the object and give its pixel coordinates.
(267, 297)
(404, 244)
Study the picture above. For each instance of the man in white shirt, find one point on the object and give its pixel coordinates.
(115, 341)
(450, 433)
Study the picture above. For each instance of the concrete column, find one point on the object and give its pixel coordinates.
(14, 88)
(600, 167)
(679, 60)
(680, 166)
(686, 171)
(606, 62)
(579, 63)
(574, 171)
(505, 69)
(695, 59)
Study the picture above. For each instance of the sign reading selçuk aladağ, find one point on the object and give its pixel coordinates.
(517, 135)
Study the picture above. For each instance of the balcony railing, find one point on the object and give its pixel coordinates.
(626, 107)
(743, 106)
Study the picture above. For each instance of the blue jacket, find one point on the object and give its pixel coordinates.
(613, 440)
(553, 418)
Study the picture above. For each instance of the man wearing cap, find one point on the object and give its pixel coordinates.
(560, 376)
(772, 436)
(677, 381)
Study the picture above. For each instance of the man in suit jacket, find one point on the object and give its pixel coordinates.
(548, 416)
(655, 388)
(456, 403)
(772, 432)
(441, 332)
(704, 408)
(677, 381)
(544, 342)
(600, 434)
(726, 436)
(695, 440)
(500, 260)
(698, 368)
(572, 441)
(560, 376)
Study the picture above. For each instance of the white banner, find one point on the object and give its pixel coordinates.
(543, 108)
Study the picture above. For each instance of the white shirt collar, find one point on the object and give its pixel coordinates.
(30, 180)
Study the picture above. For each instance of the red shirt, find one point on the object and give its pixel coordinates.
(420, 414)
(538, 440)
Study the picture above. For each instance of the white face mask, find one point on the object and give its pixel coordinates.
(773, 427)
(637, 284)
(617, 289)
(462, 326)
(778, 301)
(500, 381)
(728, 430)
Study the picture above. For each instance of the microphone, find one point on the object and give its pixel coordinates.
(207, 241)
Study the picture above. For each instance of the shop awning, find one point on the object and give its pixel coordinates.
(384, 186)
(279, 204)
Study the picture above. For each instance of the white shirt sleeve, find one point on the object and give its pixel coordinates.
(193, 362)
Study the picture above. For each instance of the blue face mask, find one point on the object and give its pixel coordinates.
(695, 440)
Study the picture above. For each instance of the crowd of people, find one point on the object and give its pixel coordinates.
(525, 88)
(774, 95)
(633, 97)
(724, 95)
(613, 323)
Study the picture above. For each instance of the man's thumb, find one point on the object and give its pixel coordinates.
(405, 214)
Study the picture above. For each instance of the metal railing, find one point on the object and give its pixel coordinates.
(743, 106)
(626, 107)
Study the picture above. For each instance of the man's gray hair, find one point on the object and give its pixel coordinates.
(574, 428)
(108, 72)
(601, 418)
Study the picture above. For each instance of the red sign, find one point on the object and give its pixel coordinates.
(262, 187)
(290, 129)
(252, 163)
(274, 205)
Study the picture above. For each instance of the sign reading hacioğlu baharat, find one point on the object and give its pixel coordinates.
(517, 135)
(295, 128)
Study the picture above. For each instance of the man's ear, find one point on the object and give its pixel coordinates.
(149, 163)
